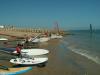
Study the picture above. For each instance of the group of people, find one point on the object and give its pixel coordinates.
(20, 46)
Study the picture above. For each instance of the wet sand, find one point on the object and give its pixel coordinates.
(64, 62)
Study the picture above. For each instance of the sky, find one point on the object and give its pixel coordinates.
(69, 14)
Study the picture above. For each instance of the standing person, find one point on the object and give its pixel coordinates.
(26, 44)
(18, 49)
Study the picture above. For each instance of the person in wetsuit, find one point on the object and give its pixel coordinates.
(18, 49)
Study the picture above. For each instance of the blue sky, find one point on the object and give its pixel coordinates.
(70, 14)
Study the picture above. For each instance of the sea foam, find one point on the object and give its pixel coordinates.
(83, 52)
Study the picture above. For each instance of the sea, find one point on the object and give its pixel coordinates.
(85, 43)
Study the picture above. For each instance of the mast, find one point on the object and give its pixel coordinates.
(57, 27)
(91, 30)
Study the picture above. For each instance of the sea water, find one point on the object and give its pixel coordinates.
(85, 43)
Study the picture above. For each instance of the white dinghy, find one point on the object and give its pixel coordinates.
(3, 39)
(33, 52)
(42, 39)
(56, 36)
(38, 39)
(31, 57)
(41, 61)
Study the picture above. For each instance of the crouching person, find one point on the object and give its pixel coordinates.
(18, 49)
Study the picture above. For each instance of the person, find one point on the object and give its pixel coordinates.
(18, 49)
(26, 44)
(46, 34)
(27, 39)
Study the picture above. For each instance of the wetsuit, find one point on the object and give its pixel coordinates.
(18, 49)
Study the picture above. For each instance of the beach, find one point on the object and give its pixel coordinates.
(49, 37)
(62, 61)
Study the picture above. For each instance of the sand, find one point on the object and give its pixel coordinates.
(13, 33)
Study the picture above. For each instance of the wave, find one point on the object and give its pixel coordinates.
(83, 52)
